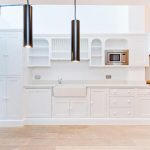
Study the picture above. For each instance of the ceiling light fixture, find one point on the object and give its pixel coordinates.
(75, 37)
(28, 33)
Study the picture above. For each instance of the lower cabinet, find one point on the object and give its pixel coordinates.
(70, 107)
(143, 103)
(121, 103)
(121, 112)
(61, 108)
(38, 103)
(98, 103)
(10, 98)
(2, 98)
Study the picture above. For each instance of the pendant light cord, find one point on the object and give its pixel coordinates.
(75, 9)
(28, 2)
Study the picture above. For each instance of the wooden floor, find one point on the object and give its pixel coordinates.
(75, 138)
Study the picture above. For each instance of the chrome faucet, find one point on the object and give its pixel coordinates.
(60, 81)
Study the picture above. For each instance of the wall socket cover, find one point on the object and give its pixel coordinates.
(37, 77)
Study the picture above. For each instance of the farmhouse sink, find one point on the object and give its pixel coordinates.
(69, 90)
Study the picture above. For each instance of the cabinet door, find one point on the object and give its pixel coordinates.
(78, 109)
(14, 98)
(143, 107)
(98, 103)
(3, 55)
(14, 56)
(61, 108)
(138, 49)
(2, 98)
(38, 103)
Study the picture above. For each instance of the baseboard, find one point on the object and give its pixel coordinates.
(71, 121)
(11, 123)
(85, 121)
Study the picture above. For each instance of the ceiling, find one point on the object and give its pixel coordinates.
(82, 2)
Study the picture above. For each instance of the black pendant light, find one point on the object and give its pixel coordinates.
(28, 33)
(75, 37)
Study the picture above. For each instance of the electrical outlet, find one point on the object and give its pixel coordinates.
(108, 76)
(37, 77)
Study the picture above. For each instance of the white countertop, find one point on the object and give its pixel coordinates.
(88, 84)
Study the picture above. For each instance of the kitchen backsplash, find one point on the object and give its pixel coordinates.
(81, 71)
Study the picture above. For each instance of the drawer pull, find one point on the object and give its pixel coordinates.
(6, 98)
(129, 113)
(115, 113)
(70, 108)
(129, 101)
(115, 102)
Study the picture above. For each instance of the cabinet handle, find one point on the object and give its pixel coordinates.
(129, 113)
(5, 98)
(115, 102)
(115, 113)
(114, 92)
(70, 108)
(5, 55)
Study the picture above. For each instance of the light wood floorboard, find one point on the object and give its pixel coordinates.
(75, 138)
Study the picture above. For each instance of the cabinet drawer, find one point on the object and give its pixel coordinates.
(121, 101)
(121, 113)
(144, 92)
(122, 92)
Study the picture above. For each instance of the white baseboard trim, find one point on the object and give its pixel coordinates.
(11, 123)
(71, 121)
(85, 121)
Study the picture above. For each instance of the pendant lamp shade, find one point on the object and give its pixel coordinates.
(28, 35)
(75, 40)
(75, 37)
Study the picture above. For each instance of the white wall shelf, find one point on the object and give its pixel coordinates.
(92, 48)
(39, 55)
(61, 48)
(96, 57)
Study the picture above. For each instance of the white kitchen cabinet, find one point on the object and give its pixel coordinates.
(11, 53)
(121, 103)
(2, 55)
(38, 103)
(78, 109)
(143, 103)
(13, 98)
(70, 108)
(121, 112)
(98, 103)
(61, 108)
(138, 51)
(10, 98)
(2, 94)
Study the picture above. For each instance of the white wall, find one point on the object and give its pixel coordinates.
(94, 19)
(137, 19)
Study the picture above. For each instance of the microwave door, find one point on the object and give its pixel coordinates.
(114, 58)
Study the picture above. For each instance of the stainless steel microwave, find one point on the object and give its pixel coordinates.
(117, 57)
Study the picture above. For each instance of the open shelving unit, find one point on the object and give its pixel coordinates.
(39, 55)
(61, 49)
(96, 57)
